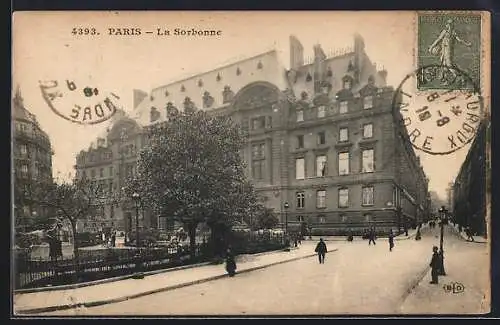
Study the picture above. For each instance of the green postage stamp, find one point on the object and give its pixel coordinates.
(449, 43)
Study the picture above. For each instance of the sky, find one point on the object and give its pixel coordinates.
(44, 48)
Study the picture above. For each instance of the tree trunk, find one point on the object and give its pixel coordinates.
(192, 240)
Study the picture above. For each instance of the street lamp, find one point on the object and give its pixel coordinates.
(286, 206)
(442, 214)
(136, 197)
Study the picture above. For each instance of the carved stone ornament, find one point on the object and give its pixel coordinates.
(227, 95)
(218, 78)
(189, 106)
(208, 100)
(183, 89)
(329, 72)
(171, 110)
(260, 65)
(308, 77)
(290, 96)
(200, 83)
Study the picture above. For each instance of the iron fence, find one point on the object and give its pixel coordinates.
(99, 264)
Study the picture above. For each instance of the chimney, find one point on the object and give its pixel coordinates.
(296, 53)
(139, 96)
(319, 67)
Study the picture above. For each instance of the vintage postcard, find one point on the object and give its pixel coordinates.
(250, 163)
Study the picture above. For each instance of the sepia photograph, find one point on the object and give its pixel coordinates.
(250, 163)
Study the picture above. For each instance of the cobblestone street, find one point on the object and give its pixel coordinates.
(357, 279)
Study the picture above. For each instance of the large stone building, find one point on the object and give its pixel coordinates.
(32, 163)
(472, 184)
(321, 137)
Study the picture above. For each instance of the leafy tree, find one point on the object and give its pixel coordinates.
(192, 171)
(72, 201)
(263, 218)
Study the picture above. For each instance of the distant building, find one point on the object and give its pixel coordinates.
(449, 196)
(321, 136)
(472, 184)
(32, 163)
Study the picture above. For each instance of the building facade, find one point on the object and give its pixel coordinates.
(322, 137)
(472, 185)
(32, 163)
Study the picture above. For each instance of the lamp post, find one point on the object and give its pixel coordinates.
(286, 206)
(136, 197)
(33, 214)
(442, 214)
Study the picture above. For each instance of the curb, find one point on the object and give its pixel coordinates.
(123, 277)
(102, 281)
(414, 283)
(164, 289)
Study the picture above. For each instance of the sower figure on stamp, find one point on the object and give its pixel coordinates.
(321, 250)
(444, 46)
(435, 265)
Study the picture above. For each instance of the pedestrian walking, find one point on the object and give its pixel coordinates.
(113, 239)
(350, 237)
(230, 263)
(468, 232)
(435, 265)
(371, 237)
(321, 250)
(391, 241)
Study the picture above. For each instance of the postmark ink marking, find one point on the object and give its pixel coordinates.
(84, 105)
(438, 122)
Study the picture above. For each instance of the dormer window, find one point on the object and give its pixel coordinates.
(321, 111)
(347, 84)
(343, 107)
(367, 102)
(300, 115)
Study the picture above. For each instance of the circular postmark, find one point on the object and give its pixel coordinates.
(79, 102)
(443, 120)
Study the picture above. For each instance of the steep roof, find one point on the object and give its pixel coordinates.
(236, 75)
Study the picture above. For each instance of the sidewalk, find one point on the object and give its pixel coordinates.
(467, 271)
(111, 292)
(411, 234)
(477, 239)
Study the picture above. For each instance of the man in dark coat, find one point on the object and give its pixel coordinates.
(321, 250)
(371, 236)
(435, 265)
(391, 241)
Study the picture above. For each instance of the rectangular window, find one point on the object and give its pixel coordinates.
(343, 134)
(343, 218)
(92, 173)
(84, 174)
(299, 168)
(321, 219)
(258, 151)
(321, 199)
(343, 163)
(368, 195)
(321, 138)
(343, 107)
(367, 163)
(101, 172)
(110, 171)
(368, 130)
(301, 198)
(368, 102)
(258, 169)
(259, 123)
(111, 186)
(300, 116)
(300, 141)
(343, 198)
(24, 149)
(321, 166)
(321, 111)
